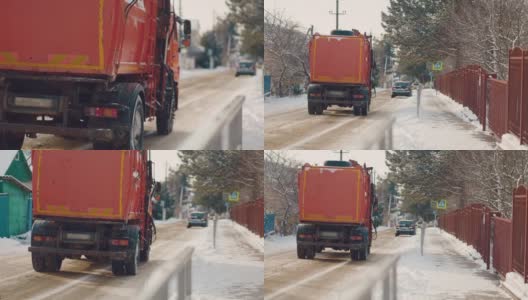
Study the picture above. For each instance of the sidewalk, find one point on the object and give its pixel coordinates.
(232, 270)
(446, 271)
(443, 124)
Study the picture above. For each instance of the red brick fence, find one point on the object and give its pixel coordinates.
(501, 242)
(250, 215)
(503, 105)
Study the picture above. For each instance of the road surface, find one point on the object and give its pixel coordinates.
(83, 279)
(442, 273)
(288, 125)
(202, 96)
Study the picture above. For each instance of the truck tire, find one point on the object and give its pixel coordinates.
(363, 253)
(136, 127)
(53, 263)
(144, 255)
(364, 110)
(11, 140)
(310, 252)
(357, 111)
(131, 264)
(354, 254)
(320, 249)
(301, 252)
(165, 117)
(311, 109)
(319, 109)
(118, 267)
(39, 262)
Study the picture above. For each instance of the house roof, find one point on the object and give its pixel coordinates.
(6, 158)
(24, 185)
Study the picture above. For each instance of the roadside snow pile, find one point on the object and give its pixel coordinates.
(252, 239)
(461, 111)
(276, 105)
(276, 244)
(515, 283)
(463, 249)
(16, 245)
(168, 221)
(511, 142)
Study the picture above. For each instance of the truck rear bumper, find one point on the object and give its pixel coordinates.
(345, 102)
(100, 134)
(353, 246)
(119, 255)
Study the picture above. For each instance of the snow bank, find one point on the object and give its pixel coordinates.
(17, 245)
(515, 284)
(276, 244)
(252, 239)
(463, 249)
(276, 105)
(168, 221)
(511, 142)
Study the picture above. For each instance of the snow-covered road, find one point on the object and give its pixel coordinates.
(443, 124)
(446, 271)
(234, 270)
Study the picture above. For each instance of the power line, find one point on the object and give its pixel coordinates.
(337, 14)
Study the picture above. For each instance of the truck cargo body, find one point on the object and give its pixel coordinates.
(340, 72)
(335, 206)
(91, 203)
(77, 68)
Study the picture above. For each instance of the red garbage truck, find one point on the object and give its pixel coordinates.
(335, 209)
(95, 204)
(341, 66)
(88, 68)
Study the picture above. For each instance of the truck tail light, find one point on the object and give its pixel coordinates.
(119, 242)
(305, 236)
(359, 96)
(43, 238)
(356, 238)
(101, 112)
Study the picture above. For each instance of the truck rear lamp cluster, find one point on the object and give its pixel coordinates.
(43, 238)
(359, 96)
(101, 112)
(305, 235)
(119, 242)
(356, 238)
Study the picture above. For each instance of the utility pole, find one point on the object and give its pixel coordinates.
(341, 152)
(337, 13)
(390, 202)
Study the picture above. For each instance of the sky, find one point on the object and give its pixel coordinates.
(363, 15)
(160, 159)
(203, 11)
(373, 158)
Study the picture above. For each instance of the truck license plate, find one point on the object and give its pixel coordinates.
(78, 236)
(34, 102)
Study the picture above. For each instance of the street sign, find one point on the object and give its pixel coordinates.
(442, 204)
(438, 66)
(233, 197)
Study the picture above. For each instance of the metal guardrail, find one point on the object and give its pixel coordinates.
(172, 280)
(368, 288)
(222, 132)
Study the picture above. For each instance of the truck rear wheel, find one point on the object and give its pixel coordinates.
(363, 253)
(357, 110)
(39, 262)
(364, 110)
(311, 108)
(301, 252)
(11, 140)
(319, 109)
(132, 262)
(310, 252)
(165, 117)
(118, 267)
(53, 263)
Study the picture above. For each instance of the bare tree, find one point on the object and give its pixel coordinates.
(280, 183)
(286, 54)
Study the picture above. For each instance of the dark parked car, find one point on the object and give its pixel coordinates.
(197, 219)
(401, 88)
(406, 227)
(246, 68)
